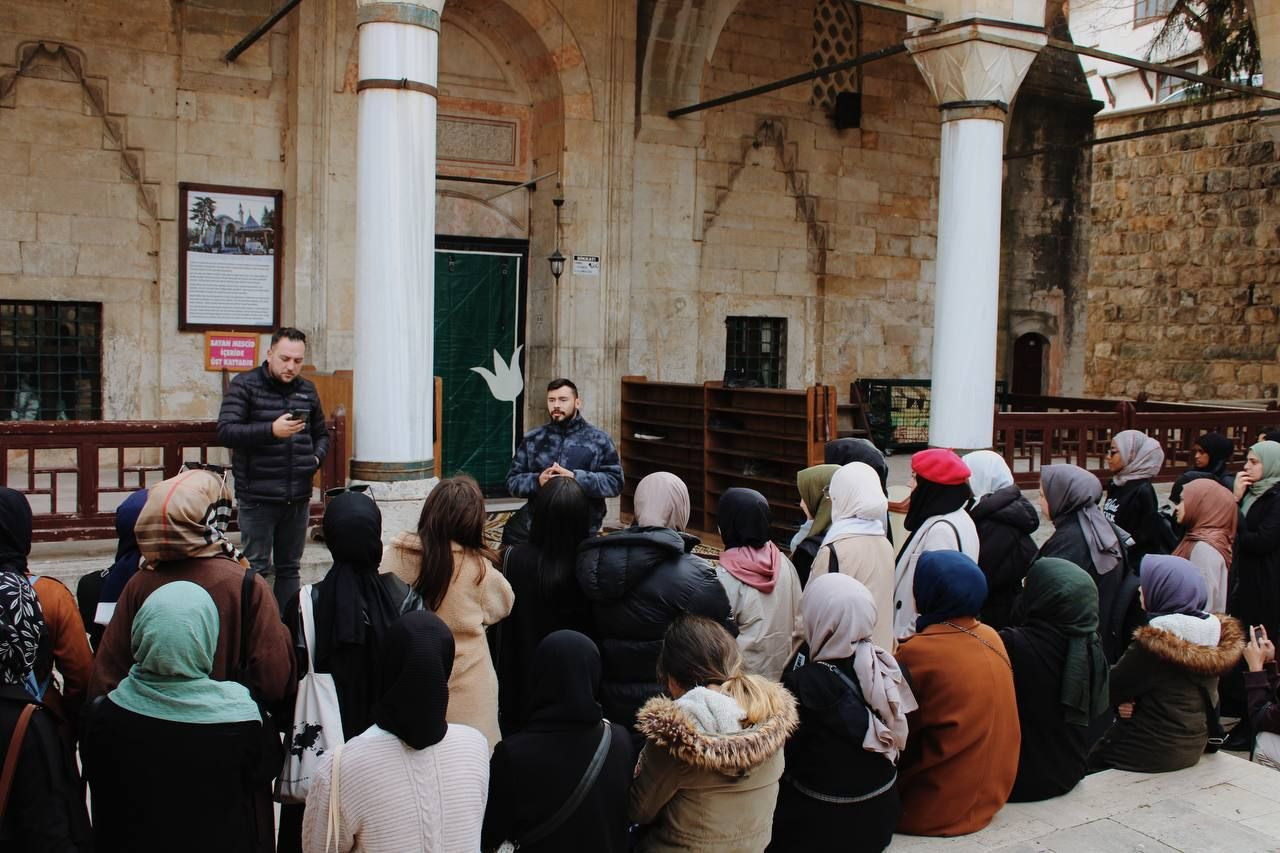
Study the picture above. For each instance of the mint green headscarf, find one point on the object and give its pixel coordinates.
(1268, 453)
(174, 636)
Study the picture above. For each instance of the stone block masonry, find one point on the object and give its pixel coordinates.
(1184, 279)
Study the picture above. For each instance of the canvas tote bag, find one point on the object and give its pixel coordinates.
(317, 720)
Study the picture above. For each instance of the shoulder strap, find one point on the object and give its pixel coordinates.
(959, 544)
(588, 779)
(246, 615)
(11, 756)
(1212, 721)
(306, 609)
(332, 834)
(833, 560)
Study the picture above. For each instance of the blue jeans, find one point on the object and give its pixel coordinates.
(272, 537)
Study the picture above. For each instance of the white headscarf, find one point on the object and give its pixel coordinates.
(988, 472)
(1142, 455)
(662, 500)
(858, 504)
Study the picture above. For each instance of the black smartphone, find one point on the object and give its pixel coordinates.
(298, 415)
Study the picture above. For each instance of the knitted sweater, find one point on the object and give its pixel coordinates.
(394, 798)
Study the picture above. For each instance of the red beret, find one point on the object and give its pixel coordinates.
(938, 465)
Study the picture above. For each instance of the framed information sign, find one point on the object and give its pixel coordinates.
(229, 258)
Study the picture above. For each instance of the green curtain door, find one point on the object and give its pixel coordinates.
(478, 356)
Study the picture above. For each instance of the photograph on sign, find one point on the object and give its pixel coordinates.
(586, 265)
(229, 258)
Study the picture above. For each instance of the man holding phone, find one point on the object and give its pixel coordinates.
(272, 420)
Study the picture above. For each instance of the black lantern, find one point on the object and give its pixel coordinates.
(557, 263)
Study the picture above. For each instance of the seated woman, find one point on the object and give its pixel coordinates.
(1059, 675)
(1167, 682)
(1209, 519)
(1005, 521)
(760, 582)
(412, 781)
(842, 451)
(535, 772)
(707, 779)
(841, 762)
(812, 485)
(962, 749)
(168, 720)
(1261, 680)
(1212, 453)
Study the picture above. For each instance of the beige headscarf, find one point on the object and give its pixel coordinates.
(186, 517)
(1142, 455)
(662, 500)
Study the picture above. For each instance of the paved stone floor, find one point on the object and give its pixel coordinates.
(1224, 803)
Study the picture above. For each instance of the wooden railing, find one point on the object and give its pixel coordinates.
(75, 473)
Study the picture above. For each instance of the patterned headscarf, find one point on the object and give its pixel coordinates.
(186, 517)
(21, 624)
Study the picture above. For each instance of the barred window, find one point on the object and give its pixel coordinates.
(50, 360)
(756, 351)
(1148, 10)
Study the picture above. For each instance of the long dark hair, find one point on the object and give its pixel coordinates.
(561, 520)
(453, 512)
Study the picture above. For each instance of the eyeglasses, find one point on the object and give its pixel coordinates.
(358, 488)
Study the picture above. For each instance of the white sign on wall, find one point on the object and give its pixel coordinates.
(586, 265)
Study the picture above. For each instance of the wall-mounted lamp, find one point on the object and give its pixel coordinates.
(555, 258)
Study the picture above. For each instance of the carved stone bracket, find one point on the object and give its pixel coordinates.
(975, 65)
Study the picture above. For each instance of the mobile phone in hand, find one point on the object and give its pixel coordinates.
(298, 415)
(1253, 634)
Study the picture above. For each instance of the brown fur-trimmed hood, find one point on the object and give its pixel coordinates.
(1202, 660)
(665, 723)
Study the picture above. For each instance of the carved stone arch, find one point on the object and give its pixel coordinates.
(57, 61)
(676, 40)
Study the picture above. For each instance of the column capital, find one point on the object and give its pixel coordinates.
(974, 67)
(418, 13)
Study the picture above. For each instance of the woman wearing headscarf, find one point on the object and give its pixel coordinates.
(46, 809)
(534, 773)
(1255, 586)
(937, 521)
(1166, 684)
(707, 778)
(815, 503)
(855, 544)
(98, 592)
(1209, 517)
(412, 780)
(842, 451)
(354, 606)
(1005, 521)
(1131, 504)
(66, 646)
(181, 534)
(639, 579)
(547, 595)
(1082, 535)
(1059, 676)
(1211, 454)
(962, 749)
(167, 720)
(841, 764)
(762, 586)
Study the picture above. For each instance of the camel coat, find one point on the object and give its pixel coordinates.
(867, 559)
(471, 604)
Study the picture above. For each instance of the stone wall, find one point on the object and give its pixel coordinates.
(1184, 278)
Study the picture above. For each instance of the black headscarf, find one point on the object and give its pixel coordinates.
(353, 607)
(1220, 449)
(929, 499)
(842, 451)
(15, 531)
(566, 679)
(743, 516)
(417, 658)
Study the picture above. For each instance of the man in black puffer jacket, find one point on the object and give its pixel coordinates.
(638, 580)
(273, 422)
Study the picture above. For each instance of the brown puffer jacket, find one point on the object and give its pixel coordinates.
(1163, 675)
(713, 793)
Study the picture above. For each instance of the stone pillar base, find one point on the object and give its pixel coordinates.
(400, 503)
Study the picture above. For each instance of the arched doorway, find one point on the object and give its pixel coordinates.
(1030, 355)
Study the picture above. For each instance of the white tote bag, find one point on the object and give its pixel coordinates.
(317, 720)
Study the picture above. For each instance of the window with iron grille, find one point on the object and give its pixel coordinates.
(1145, 11)
(50, 360)
(756, 351)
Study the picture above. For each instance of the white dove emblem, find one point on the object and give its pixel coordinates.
(505, 380)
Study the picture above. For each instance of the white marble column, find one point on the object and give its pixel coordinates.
(399, 47)
(973, 70)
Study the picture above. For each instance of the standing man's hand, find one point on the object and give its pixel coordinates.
(284, 426)
(557, 471)
(546, 475)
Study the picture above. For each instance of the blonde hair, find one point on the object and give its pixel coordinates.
(699, 652)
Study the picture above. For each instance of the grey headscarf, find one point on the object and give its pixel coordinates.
(1142, 455)
(1070, 488)
(662, 500)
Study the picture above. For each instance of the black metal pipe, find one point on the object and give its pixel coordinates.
(883, 53)
(495, 181)
(260, 30)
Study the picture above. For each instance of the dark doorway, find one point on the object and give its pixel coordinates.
(1029, 354)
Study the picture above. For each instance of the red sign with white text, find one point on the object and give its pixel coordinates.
(230, 351)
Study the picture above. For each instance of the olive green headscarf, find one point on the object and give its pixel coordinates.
(1268, 453)
(1061, 598)
(812, 484)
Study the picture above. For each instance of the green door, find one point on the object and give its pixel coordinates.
(478, 347)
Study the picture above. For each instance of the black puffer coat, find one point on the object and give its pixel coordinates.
(268, 469)
(1005, 522)
(637, 581)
